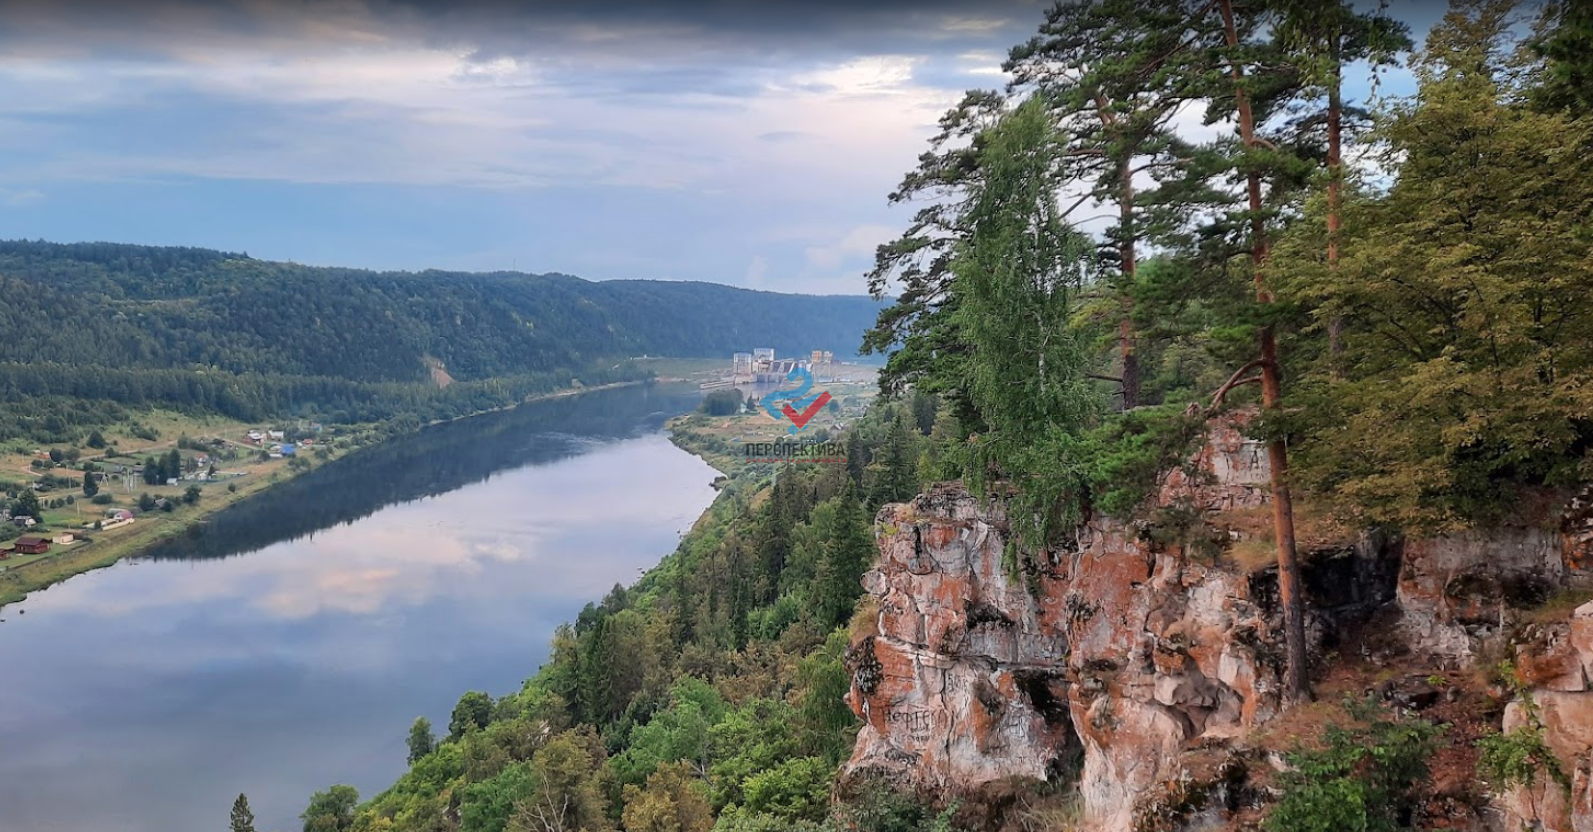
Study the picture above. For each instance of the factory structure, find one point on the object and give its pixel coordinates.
(761, 366)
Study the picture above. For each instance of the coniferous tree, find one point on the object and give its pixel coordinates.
(1565, 43)
(1268, 170)
(895, 465)
(1468, 281)
(242, 817)
(846, 553)
(1114, 73)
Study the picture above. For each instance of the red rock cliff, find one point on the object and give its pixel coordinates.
(1127, 652)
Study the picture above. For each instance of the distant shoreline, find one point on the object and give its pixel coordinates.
(151, 528)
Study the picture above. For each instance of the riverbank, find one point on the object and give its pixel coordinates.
(101, 548)
(252, 476)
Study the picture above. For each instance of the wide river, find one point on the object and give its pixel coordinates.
(289, 644)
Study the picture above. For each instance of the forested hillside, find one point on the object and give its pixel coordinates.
(187, 327)
(712, 688)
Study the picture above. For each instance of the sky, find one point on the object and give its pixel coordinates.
(734, 141)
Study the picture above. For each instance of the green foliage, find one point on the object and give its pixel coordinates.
(1130, 453)
(1519, 757)
(797, 789)
(753, 738)
(128, 326)
(1362, 777)
(677, 733)
(421, 741)
(826, 727)
(331, 810)
(1019, 269)
(1467, 366)
(472, 712)
(726, 402)
(1565, 43)
(26, 504)
(877, 807)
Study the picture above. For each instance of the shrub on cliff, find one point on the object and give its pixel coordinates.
(1360, 779)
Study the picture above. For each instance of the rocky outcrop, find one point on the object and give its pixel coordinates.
(1555, 662)
(963, 683)
(1135, 659)
(1456, 591)
(1104, 666)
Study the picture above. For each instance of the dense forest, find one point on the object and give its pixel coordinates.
(712, 688)
(192, 328)
(1402, 288)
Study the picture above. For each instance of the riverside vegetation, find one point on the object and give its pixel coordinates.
(1413, 318)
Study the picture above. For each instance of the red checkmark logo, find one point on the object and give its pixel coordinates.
(801, 419)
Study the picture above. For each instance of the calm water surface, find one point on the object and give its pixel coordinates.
(289, 645)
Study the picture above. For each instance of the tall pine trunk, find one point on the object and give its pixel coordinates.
(1289, 585)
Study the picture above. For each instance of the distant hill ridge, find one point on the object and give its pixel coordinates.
(117, 306)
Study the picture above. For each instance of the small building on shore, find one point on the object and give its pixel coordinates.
(32, 544)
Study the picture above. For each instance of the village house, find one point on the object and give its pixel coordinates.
(64, 538)
(116, 517)
(32, 544)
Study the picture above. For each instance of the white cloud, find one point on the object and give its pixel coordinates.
(859, 243)
(869, 75)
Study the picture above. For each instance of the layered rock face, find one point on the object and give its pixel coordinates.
(1116, 657)
(1132, 648)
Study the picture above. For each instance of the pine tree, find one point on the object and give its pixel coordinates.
(1268, 170)
(896, 463)
(846, 553)
(91, 486)
(242, 817)
(1114, 73)
(1566, 45)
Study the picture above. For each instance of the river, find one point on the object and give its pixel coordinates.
(288, 644)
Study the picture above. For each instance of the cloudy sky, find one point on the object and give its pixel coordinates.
(735, 141)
